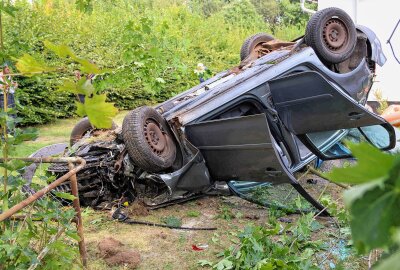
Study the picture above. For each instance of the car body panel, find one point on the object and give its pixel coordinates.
(377, 54)
(306, 107)
(238, 148)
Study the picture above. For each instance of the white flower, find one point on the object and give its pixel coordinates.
(200, 69)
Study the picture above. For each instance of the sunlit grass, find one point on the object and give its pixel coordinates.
(56, 132)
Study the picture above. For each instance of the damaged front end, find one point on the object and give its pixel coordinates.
(111, 178)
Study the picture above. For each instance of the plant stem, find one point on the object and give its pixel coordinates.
(5, 155)
(1, 30)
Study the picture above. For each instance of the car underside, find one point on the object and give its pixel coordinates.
(284, 106)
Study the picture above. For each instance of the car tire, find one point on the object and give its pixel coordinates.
(251, 43)
(81, 128)
(332, 34)
(148, 140)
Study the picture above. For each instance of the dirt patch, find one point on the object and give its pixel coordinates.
(138, 209)
(115, 253)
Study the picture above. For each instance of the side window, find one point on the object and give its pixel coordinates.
(327, 143)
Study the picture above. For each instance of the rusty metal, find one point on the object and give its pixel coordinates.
(335, 35)
(46, 189)
(120, 159)
(155, 137)
(79, 222)
(74, 184)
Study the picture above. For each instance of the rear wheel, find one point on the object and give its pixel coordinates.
(81, 129)
(253, 44)
(332, 34)
(148, 140)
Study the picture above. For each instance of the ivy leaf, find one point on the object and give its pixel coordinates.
(372, 165)
(373, 216)
(27, 65)
(99, 112)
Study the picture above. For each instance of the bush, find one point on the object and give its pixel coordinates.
(152, 47)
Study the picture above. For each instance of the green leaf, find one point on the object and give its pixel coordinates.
(389, 263)
(89, 67)
(80, 109)
(13, 165)
(82, 87)
(60, 50)
(73, 235)
(172, 221)
(8, 9)
(27, 65)
(64, 195)
(204, 263)
(372, 165)
(358, 191)
(99, 112)
(373, 216)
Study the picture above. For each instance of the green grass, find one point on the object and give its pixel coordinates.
(56, 132)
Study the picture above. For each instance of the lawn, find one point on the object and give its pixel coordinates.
(56, 132)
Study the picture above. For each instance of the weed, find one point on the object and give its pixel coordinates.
(193, 213)
(225, 213)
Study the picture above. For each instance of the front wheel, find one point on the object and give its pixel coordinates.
(81, 129)
(253, 44)
(148, 140)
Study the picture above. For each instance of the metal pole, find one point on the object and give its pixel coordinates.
(79, 223)
(46, 189)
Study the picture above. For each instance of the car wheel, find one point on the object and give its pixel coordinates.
(332, 34)
(252, 44)
(81, 128)
(148, 140)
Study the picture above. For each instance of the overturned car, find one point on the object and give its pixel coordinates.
(286, 104)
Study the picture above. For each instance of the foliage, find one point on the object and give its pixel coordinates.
(273, 247)
(383, 102)
(94, 105)
(152, 47)
(373, 203)
(22, 239)
(172, 221)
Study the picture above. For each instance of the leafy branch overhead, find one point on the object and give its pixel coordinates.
(374, 202)
(99, 112)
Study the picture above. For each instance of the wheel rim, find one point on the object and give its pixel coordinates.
(155, 137)
(335, 35)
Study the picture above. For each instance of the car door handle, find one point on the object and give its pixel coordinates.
(355, 115)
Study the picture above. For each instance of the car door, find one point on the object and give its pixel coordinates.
(238, 148)
(321, 114)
